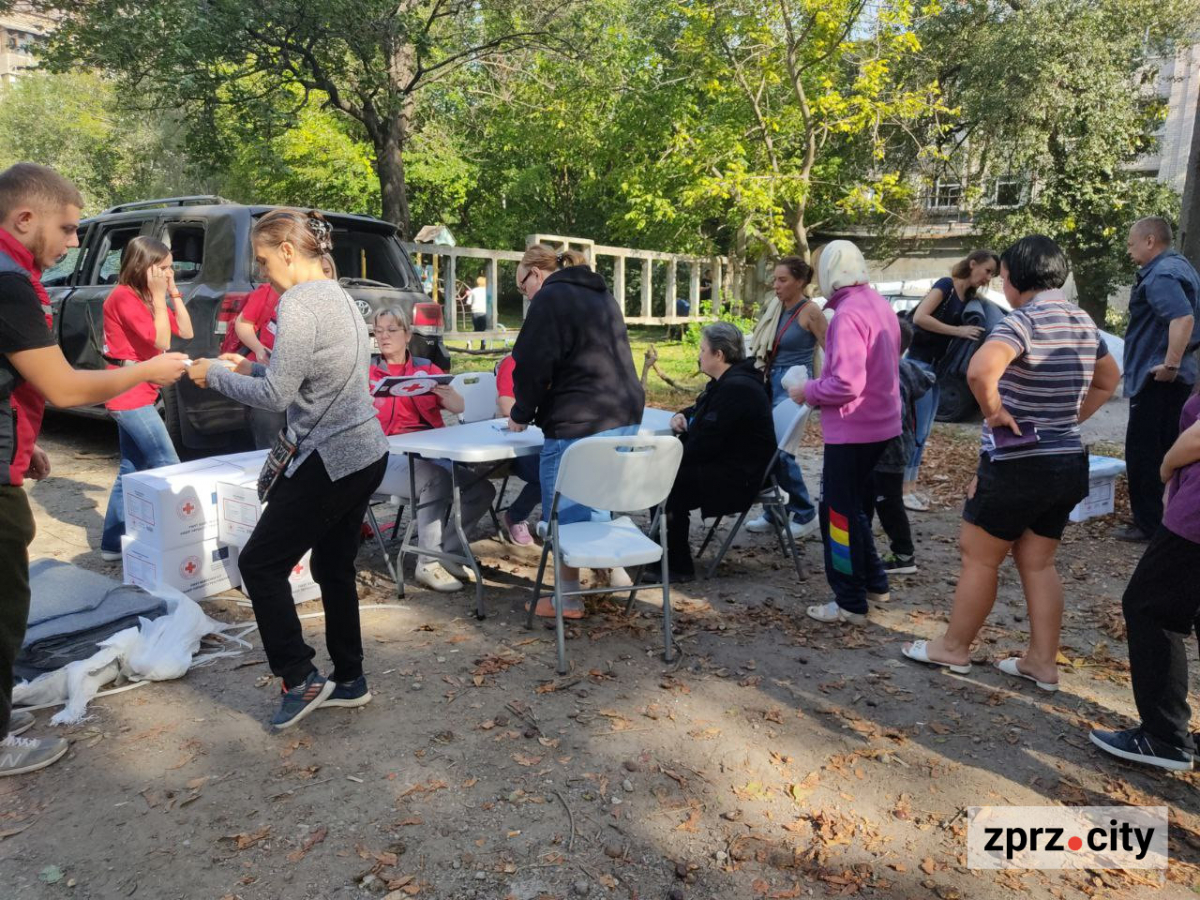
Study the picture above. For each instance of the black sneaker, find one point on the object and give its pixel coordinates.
(894, 564)
(302, 699)
(1135, 745)
(350, 693)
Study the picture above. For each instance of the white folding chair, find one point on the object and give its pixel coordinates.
(623, 474)
(479, 391)
(790, 420)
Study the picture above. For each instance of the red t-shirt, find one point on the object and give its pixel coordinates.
(262, 311)
(129, 335)
(504, 377)
(400, 415)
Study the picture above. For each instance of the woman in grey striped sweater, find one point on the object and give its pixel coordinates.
(318, 374)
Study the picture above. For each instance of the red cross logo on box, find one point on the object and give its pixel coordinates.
(189, 566)
(187, 509)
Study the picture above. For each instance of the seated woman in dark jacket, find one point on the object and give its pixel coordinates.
(728, 438)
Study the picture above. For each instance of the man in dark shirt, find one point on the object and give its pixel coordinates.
(1160, 368)
(39, 218)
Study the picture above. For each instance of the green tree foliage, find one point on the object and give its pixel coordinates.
(368, 59)
(76, 123)
(1058, 94)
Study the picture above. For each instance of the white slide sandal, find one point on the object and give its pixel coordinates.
(1009, 667)
(918, 651)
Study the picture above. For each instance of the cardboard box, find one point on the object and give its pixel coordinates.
(175, 506)
(247, 462)
(301, 580)
(1102, 488)
(199, 570)
(238, 508)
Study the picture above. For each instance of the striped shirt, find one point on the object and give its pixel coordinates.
(1057, 345)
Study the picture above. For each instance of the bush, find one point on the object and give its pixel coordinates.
(691, 337)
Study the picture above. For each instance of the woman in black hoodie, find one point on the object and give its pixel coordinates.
(574, 378)
(728, 437)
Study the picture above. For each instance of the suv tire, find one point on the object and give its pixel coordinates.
(170, 413)
(955, 400)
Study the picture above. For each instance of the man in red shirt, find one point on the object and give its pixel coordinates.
(39, 220)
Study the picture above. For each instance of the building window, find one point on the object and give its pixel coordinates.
(945, 195)
(1008, 192)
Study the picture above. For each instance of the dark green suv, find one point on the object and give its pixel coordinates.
(209, 239)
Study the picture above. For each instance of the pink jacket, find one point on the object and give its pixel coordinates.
(859, 389)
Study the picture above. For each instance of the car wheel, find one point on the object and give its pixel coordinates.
(955, 402)
(169, 408)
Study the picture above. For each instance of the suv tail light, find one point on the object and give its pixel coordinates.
(231, 305)
(427, 319)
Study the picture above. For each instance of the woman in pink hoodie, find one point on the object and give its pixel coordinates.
(858, 394)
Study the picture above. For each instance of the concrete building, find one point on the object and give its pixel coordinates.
(21, 30)
(1179, 85)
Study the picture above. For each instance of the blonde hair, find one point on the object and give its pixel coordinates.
(539, 256)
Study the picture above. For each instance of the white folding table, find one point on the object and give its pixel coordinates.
(472, 444)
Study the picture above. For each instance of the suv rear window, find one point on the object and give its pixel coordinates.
(372, 256)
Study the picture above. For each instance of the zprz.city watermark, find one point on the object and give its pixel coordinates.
(1067, 837)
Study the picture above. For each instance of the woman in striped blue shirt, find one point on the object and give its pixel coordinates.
(1041, 372)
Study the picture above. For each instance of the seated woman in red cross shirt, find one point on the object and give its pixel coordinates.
(402, 415)
(138, 325)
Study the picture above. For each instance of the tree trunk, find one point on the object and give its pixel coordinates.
(1091, 287)
(389, 164)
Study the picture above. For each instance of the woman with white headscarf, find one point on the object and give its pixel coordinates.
(858, 394)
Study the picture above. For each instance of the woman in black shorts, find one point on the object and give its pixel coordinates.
(1041, 372)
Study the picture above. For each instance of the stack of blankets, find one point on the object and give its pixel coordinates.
(72, 610)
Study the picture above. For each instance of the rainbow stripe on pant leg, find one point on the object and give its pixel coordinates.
(839, 542)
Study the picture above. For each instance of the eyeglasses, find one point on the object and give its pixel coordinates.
(521, 281)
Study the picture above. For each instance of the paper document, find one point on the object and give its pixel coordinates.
(409, 385)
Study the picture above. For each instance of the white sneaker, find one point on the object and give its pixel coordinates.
(457, 570)
(619, 578)
(110, 555)
(916, 502)
(436, 578)
(20, 721)
(761, 525)
(801, 531)
(831, 612)
(20, 755)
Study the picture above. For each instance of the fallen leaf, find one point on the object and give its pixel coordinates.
(690, 823)
(425, 788)
(523, 759)
(311, 841)
(928, 866)
(249, 839)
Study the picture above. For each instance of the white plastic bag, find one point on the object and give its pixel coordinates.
(166, 645)
(795, 377)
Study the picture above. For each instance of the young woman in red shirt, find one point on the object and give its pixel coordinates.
(401, 415)
(138, 325)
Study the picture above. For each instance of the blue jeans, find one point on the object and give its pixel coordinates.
(569, 511)
(787, 470)
(528, 469)
(145, 444)
(926, 410)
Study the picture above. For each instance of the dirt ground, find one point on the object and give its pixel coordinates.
(776, 758)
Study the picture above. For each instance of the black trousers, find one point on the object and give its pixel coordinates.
(852, 566)
(686, 494)
(889, 506)
(1162, 607)
(16, 534)
(1152, 429)
(308, 511)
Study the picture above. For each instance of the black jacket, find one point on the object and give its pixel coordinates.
(730, 439)
(574, 373)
